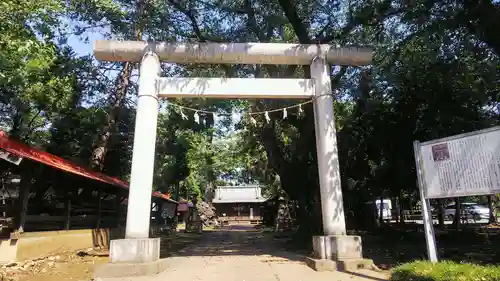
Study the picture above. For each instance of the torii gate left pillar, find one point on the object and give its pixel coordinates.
(332, 247)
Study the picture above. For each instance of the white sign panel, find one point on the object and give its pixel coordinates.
(12, 158)
(462, 165)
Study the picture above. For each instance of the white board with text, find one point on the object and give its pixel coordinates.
(462, 165)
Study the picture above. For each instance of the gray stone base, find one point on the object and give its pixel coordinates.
(337, 247)
(121, 270)
(340, 265)
(338, 252)
(140, 250)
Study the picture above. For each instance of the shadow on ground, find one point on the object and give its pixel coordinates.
(242, 251)
(392, 246)
(239, 241)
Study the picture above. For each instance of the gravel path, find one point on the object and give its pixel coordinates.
(243, 255)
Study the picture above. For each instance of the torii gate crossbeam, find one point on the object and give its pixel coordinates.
(334, 245)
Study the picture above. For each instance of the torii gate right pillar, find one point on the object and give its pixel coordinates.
(334, 248)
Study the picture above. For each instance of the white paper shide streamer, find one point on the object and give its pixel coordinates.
(198, 120)
(183, 116)
(252, 120)
(215, 117)
(196, 117)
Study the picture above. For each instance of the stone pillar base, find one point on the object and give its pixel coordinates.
(337, 247)
(338, 252)
(122, 270)
(132, 257)
(134, 250)
(340, 265)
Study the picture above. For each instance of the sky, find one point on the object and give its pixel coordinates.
(81, 47)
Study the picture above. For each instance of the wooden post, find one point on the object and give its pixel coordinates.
(381, 210)
(2, 186)
(99, 209)
(118, 207)
(67, 208)
(24, 194)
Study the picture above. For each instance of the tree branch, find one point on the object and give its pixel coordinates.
(482, 17)
(252, 22)
(360, 19)
(298, 26)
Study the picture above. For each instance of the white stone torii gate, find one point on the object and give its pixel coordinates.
(137, 246)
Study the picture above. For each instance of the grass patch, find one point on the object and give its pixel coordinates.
(445, 271)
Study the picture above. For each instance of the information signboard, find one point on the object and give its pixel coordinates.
(10, 157)
(461, 165)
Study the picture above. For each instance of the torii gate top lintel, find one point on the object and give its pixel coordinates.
(231, 53)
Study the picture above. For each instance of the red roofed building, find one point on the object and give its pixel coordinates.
(17, 152)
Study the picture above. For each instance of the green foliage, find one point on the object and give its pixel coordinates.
(444, 271)
(31, 81)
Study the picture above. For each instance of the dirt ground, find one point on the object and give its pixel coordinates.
(60, 266)
(79, 265)
(387, 248)
(244, 253)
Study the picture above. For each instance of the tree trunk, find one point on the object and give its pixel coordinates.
(482, 17)
(493, 218)
(305, 223)
(67, 211)
(458, 213)
(401, 209)
(440, 213)
(396, 204)
(411, 205)
(117, 101)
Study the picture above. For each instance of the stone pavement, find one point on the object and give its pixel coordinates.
(244, 255)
